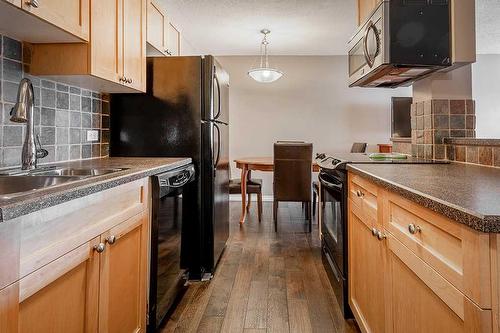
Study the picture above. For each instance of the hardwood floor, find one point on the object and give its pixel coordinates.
(265, 282)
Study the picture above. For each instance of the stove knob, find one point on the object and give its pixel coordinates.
(320, 156)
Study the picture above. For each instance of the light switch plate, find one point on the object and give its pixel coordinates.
(92, 135)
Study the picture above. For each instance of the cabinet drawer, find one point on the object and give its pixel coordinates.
(49, 233)
(364, 195)
(423, 301)
(458, 253)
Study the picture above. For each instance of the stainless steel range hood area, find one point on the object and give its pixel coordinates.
(403, 41)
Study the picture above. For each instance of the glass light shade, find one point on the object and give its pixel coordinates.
(265, 75)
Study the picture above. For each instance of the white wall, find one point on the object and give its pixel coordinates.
(486, 92)
(311, 102)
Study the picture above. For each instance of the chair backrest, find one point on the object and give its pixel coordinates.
(358, 147)
(292, 171)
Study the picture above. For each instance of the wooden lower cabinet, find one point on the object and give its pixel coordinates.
(366, 274)
(123, 268)
(62, 296)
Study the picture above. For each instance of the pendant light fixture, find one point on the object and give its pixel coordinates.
(264, 73)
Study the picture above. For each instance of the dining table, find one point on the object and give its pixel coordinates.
(247, 164)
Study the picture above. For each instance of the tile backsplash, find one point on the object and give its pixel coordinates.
(63, 113)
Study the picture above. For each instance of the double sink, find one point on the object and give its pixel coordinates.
(19, 182)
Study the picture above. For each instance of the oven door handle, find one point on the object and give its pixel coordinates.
(330, 185)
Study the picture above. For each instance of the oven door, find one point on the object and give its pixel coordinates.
(333, 219)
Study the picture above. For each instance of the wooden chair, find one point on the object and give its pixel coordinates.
(357, 147)
(292, 176)
(254, 186)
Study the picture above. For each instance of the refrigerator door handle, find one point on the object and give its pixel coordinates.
(217, 158)
(217, 84)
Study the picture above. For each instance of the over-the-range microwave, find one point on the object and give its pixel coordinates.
(402, 41)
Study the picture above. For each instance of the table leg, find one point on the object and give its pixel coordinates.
(244, 174)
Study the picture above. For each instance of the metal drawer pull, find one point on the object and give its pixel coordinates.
(33, 3)
(381, 236)
(375, 231)
(359, 194)
(99, 248)
(129, 80)
(111, 240)
(413, 229)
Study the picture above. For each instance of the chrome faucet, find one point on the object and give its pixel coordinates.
(23, 112)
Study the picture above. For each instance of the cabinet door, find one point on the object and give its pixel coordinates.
(174, 41)
(69, 15)
(157, 27)
(122, 301)
(106, 40)
(365, 8)
(63, 295)
(423, 301)
(134, 43)
(366, 274)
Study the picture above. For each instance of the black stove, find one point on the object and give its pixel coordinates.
(333, 217)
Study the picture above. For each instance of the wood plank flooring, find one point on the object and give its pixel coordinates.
(265, 282)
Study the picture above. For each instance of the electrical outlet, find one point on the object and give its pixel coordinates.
(92, 135)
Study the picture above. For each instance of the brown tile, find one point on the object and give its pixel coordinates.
(104, 150)
(441, 122)
(413, 110)
(470, 122)
(439, 152)
(420, 108)
(450, 152)
(439, 135)
(414, 150)
(472, 153)
(457, 106)
(460, 153)
(420, 123)
(427, 122)
(470, 106)
(457, 122)
(458, 133)
(414, 136)
(428, 137)
(420, 151)
(485, 155)
(420, 137)
(427, 108)
(440, 106)
(470, 133)
(96, 150)
(496, 156)
(414, 122)
(428, 152)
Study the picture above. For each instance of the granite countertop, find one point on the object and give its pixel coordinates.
(136, 168)
(466, 193)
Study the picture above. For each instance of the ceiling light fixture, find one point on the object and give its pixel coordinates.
(264, 73)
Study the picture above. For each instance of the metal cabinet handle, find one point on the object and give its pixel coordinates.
(360, 194)
(129, 80)
(167, 51)
(99, 248)
(121, 79)
(33, 3)
(111, 240)
(414, 229)
(381, 236)
(375, 231)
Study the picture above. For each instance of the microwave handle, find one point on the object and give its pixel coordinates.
(368, 59)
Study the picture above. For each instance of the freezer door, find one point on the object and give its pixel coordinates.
(215, 91)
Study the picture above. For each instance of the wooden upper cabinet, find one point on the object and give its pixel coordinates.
(63, 295)
(134, 43)
(115, 59)
(69, 15)
(157, 29)
(174, 40)
(365, 8)
(123, 268)
(15, 2)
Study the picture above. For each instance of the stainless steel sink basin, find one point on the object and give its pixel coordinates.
(83, 172)
(12, 186)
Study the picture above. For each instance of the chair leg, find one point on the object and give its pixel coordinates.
(249, 201)
(314, 203)
(259, 205)
(275, 215)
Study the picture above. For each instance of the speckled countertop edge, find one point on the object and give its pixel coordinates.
(49, 197)
(474, 220)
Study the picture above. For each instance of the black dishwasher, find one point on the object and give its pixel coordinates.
(171, 193)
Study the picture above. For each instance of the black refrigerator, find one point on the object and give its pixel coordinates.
(184, 113)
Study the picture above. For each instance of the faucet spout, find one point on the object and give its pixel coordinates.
(23, 112)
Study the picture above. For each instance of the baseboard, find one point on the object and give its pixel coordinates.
(237, 197)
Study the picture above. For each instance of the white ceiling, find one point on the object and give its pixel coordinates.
(298, 27)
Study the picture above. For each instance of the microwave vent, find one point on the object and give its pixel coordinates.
(415, 2)
(439, 2)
